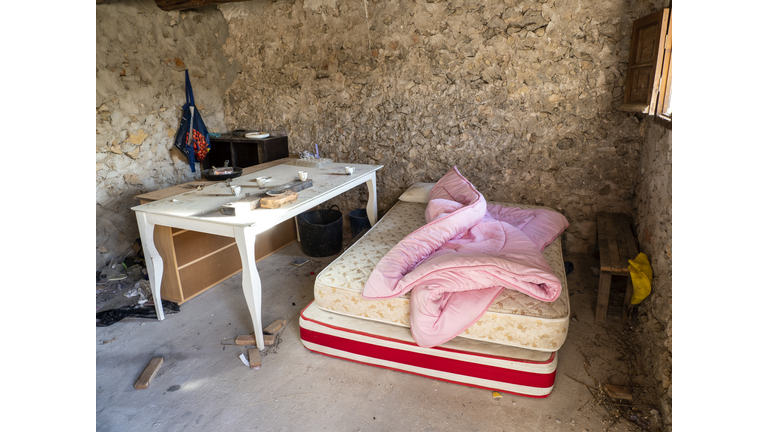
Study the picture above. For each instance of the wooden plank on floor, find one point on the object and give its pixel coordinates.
(244, 340)
(275, 326)
(254, 358)
(149, 373)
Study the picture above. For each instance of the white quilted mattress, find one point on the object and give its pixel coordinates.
(514, 319)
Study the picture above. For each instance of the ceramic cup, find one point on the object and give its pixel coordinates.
(262, 181)
(349, 170)
(302, 175)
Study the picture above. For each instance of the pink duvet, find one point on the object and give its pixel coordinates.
(466, 254)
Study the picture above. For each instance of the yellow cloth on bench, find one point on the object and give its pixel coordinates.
(641, 273)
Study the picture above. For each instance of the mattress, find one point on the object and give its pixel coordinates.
(514, 319)
(462, 361)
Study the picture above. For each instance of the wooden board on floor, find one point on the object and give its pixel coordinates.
(254, 358)
(244, 340)
(149, 373)
(274, 327)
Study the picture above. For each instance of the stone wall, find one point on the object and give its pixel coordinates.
(141, 53)
(520, 95)
(654, 230)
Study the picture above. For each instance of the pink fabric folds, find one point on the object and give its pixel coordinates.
(466, 254)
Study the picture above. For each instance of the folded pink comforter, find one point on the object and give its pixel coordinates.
(466, 254)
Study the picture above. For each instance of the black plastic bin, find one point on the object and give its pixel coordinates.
(358, 220)
(320, 231)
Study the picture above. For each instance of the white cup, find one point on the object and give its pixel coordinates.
(261, 181)
(302, 175)
(349, 170)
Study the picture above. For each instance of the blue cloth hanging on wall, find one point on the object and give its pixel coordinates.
(192, 137)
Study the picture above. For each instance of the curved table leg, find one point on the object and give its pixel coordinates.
(246, 240)
(153, 260)
(372, 208)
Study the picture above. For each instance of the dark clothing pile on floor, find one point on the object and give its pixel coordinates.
(107, 318)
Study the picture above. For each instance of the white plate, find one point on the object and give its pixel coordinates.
(270, 193)
(256, 135)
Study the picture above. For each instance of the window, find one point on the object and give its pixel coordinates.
(649, 75)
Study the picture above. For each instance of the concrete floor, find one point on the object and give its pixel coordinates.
(203, 385)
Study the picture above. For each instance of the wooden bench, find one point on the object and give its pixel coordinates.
(617, 246)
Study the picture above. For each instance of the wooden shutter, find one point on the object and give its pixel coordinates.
(646, 57)
(664, 108)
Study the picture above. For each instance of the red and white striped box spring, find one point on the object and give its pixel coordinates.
(462, 361)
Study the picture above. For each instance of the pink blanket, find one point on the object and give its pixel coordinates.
(465, 256)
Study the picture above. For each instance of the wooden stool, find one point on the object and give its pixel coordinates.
(617, 246)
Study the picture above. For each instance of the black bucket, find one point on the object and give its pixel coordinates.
(320, 231)
(358, 220)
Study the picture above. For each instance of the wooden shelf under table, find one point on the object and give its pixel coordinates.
(194, 262)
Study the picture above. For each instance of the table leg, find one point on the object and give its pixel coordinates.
(628, 300)
(372, 209)
(603, 294)
(246, 239)
(153, 260)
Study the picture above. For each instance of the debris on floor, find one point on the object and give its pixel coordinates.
(123, 290)
(633, 401)
(107, 318)
(618, 392)
(496, 395)
(149, 373)
(298, 262)
(244, 360)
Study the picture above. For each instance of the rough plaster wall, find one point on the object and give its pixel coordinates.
(654, 222)
(141, 53)
(521, 95)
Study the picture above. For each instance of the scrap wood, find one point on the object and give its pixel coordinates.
(273, 202)
(251, 340)
(241, 206)
(275, 326)
(254, 358)
(618, 392)
(245, 340)
(149, 373)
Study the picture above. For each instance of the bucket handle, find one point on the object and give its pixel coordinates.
(337, 207)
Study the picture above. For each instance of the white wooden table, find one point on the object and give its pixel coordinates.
(197, 211)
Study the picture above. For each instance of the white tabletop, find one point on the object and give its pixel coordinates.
(196, 205)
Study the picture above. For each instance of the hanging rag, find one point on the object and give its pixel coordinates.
(641, 273)
(192, 137)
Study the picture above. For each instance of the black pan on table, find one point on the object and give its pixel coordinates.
(237, 172)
